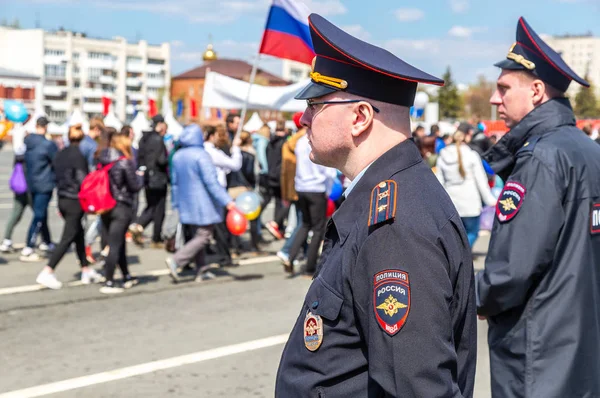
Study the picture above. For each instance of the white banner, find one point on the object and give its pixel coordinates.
(224, 92)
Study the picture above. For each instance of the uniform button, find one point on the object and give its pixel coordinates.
(315, 304)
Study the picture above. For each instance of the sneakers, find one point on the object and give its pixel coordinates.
(130, 281)
(137, 232)
(47, 247)
(105, 251)
(29, 256)
(7, 246)
(157, 245)
(172, 267)
(111, 288)
(48, 280)
(273, 229)
(204, 274)
(284, 257)
(91, 276)
(89, 255)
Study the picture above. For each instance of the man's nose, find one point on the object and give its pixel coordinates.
(495, 99)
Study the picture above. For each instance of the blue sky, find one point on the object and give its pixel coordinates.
(468, 35)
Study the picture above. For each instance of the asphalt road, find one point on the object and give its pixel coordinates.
(219, 338)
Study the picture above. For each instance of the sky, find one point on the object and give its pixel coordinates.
(467, 35)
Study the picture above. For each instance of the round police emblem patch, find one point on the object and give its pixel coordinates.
(313, 331)
(510, 201)
(391, 300)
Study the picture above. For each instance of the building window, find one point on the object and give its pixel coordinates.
(55, 70)
(27, 94)
(96, 55)
(56, 116)
(153, 61)
(152, 90)
(94, 74)
(134, 60)
(77, 84)
(56, 53)
(75, 101)
(154, 76)
(75, 56)
(76, 70)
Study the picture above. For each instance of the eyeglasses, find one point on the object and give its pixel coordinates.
(311, 103)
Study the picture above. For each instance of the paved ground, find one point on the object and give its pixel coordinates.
(221, 338)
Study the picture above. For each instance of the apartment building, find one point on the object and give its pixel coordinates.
(295, 71)
(78, 71)
(582, 54)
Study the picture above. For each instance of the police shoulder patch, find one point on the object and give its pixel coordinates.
(595, 219)
(391, 299)
(383, 202)
(510, 201)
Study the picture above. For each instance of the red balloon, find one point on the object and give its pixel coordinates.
(330, 207)
(236, 222)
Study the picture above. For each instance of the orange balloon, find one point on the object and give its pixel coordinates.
(5, 127)
(236, 222)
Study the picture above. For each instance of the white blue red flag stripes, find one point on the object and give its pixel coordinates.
(286, 34)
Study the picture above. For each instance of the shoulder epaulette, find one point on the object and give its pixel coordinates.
(529, 145)
(383, 202)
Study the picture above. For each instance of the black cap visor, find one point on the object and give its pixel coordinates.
(314, 90)
(509, 64)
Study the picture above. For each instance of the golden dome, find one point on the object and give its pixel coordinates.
(209, 54)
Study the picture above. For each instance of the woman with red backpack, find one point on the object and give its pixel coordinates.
(125, 182)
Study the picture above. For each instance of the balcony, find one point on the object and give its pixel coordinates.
(54, 59)
(155, 83)
(133, 81)
(54, 91)
(135, 67)
(153, 68)
(106, 79)
(136, 96)
(57, 105)
(100, 63)
(93, 107)
(97, 93)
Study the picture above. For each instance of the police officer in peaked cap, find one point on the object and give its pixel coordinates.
(391, 310)
(540, 289)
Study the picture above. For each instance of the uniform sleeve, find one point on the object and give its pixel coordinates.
(431, 355)
(523, 247)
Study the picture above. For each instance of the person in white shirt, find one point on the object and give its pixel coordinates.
(460, 170)
(312, 183)
(215, 141)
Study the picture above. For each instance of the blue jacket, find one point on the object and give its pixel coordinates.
(38, 161)
(88, 149)
(196, 192)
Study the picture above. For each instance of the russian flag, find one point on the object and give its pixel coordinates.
(287, 34)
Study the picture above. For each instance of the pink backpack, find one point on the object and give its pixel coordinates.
(94, 195)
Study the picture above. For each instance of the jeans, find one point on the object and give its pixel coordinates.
(20, 202)
(288, 243)
(72, 232)
(472, 227)
(156, 200)
(39, 223)
(314, 209)
(115, 225)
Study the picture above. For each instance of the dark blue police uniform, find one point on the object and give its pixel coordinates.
(540, 288)
(391, 310)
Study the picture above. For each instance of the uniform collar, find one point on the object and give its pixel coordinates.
(356, 180)
(543, 119)
(353, 210)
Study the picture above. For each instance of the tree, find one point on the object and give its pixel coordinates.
(477, 98)
(449, 98)
(586, 105)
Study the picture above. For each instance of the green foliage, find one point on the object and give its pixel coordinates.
(586, 105)
(449, 98)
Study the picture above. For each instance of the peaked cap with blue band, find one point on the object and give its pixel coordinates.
(345, 63)
(532, 54)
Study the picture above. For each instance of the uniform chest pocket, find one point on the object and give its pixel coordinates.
(322, 300)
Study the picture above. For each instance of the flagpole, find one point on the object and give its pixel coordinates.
(245, 107)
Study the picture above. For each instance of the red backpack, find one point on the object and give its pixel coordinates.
(94, 195)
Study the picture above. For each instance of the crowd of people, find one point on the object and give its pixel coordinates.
(204, 171)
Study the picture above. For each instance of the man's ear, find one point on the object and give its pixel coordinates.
(538, 89)
(362, 118)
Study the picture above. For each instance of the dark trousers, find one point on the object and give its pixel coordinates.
(196, 239)
(114, 225)
(72, 232)
(154, 212)
(222, 238)
(281, 210)
(39, 223)
(314, 210)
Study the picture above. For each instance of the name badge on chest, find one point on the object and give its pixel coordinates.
(313, 331)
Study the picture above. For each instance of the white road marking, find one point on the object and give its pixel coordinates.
(145, 368)
(157, 272)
